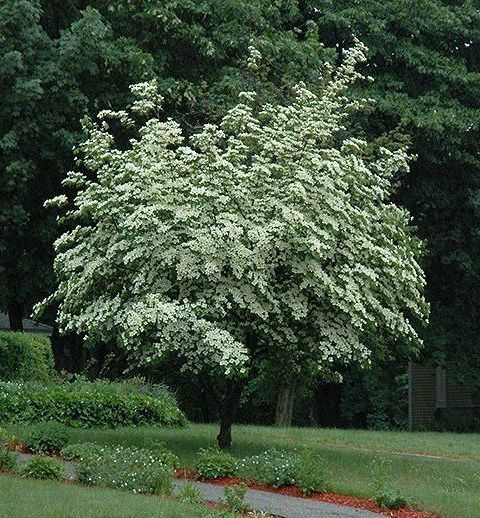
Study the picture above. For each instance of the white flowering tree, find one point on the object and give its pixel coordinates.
(271, 234)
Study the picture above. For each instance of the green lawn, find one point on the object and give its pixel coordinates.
(449, 485)
(36, 499)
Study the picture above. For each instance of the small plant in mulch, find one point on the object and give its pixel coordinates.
(8, 441)
(43, 468)
(8, 461)
(191, 494)
(386, 496)
(234, 498)
(213, 463)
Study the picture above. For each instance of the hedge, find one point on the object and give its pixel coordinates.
(86, 404)
(25, 357)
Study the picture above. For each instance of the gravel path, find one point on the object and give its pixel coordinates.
(282, 505)
(273, 503)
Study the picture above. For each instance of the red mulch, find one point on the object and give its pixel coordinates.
(331, 498)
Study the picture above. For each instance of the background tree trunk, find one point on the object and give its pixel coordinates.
(15, 314)
(285, 400)
(228, 410)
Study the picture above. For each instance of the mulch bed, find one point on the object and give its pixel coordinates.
(331, 498)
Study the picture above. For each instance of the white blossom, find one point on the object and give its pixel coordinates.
(270, 230)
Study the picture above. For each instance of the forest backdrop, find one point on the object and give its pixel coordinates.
(62, 59)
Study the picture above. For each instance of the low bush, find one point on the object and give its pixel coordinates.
(43, 468)
(235, 498)
(25, 357)
(8, 461)
(311, 473)
(273, 467)
(213, 463)
(82, 451)
(85, 404)
(281, 468)
(48, 437)
(131, 469)
(392, 500)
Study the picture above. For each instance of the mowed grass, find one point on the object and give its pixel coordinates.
(20, 498)
(440, 472)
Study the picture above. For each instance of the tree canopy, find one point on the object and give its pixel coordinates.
(270, 234)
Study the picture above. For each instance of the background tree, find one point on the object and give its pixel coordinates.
(270, 235)
(46, 84)
(425, 58)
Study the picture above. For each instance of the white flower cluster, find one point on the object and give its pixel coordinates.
(271, 230)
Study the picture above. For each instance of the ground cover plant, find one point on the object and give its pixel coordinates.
(435, 471)
(131, 469)
(24, 498)
(84, 404)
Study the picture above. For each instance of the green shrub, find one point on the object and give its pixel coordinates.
(273, 467)
(25, 357)
(214, 463)
(191, 494)
(235, 498)
(310, 473)
(82, 451)
(84, 404)
(8, 461)
(131, 469)
(48, 437)
(43, 468)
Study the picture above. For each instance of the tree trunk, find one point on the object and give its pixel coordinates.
(228, 410)
(15, 315)
(285, 399)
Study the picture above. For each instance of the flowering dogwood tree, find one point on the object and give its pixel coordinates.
(271, 232)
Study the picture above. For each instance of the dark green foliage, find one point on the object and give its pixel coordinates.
(25, 357)
(8, 461)
(425, 59)
(48, 81)
(131, 469)
(48, 437)
(43, 468)
(86, 404)
(213, 463)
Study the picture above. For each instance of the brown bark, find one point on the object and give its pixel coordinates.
(15, 314)
(228, 410)
(285, 400)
